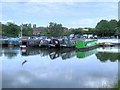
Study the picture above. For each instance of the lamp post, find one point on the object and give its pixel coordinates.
(117, 32)
(21, 30)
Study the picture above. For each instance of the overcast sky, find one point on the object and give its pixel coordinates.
(69, 14)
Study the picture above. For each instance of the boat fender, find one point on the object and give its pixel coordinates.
(56, 42)
(41, 42)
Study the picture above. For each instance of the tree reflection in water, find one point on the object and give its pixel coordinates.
(104, 56)
(10, 52)
(108, 53)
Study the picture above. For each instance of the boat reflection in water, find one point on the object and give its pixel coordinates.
(34, 51)
(53, 53)
(83, 54)
(64, 53)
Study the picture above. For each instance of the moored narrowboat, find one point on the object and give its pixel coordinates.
(86, 44)
(55, 43)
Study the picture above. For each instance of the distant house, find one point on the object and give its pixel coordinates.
(38, 30)
(85, 29)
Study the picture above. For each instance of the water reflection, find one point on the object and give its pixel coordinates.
(10, 52)
(59, 68)
(52, 53)
(1, 53)
(64, 53)
(108, 53)
(83, 54)
(103, 54)
(69, 53)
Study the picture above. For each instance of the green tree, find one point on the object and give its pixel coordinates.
(112, 27)
(107, 28)
(118, 27)
(10, 30)
(44, 31)
(55, 29)
(0, 28)
(77, 31)
(92, 31)
(4, 28)
(102, 28)
(27, 30)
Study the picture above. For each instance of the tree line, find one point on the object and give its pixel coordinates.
(103, 28)
(13, 30)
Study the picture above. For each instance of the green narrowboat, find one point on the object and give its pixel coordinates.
(86, 44)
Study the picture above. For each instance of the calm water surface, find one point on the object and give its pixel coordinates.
(50, 68)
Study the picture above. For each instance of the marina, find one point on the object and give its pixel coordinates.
(65, 42)
(53, 44)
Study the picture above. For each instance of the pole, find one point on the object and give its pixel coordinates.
(21, 30)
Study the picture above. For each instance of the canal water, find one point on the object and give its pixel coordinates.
(64, 68)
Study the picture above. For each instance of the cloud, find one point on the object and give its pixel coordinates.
(98, 83)
(89, 22)
(70, 1)
(68, 13)
(46, 76)
(5, 21)
(84, 22)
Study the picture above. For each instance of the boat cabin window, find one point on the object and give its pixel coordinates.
(24, 43)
